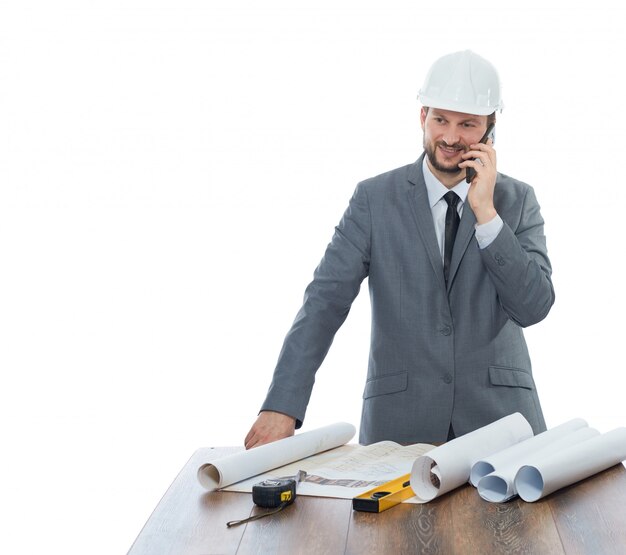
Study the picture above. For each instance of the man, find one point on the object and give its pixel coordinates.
(449, 298)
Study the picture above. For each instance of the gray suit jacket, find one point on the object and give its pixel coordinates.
(437, 355)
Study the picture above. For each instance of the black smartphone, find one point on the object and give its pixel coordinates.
(489, 134)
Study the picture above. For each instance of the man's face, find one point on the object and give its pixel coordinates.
(447, 135)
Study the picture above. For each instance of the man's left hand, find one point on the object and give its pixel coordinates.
(482, 157)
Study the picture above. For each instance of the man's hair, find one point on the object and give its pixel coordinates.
(491, 118)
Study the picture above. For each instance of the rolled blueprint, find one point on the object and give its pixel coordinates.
(239, 466)
(447, 467)
(512, 454)
(554, 471)
(499, 486)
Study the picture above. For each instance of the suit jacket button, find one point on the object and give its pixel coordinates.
(499, 260)
(445, 330)
(447, 378)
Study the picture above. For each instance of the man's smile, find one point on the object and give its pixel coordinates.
(450, 151)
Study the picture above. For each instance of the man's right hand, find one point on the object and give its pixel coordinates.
(270, 426)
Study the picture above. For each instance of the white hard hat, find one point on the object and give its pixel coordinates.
(462, 82)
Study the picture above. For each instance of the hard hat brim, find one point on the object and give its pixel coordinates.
(459, 107)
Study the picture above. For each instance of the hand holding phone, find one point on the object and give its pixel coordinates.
(470, 173)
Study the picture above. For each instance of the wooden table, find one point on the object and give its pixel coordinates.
(588, 517)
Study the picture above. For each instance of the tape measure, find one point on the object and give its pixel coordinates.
(273, 493)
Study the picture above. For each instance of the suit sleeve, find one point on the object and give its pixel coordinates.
(327, 301)
(518, 265)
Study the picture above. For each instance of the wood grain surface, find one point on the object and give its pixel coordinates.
(585, 518)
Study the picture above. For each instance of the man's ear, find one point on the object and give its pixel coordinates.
(423, 117)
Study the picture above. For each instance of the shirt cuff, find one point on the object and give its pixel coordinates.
(486, 233)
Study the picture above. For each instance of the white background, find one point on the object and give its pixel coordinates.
(170, 174)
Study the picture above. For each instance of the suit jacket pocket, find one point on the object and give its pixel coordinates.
(510, 377)
(383, 385)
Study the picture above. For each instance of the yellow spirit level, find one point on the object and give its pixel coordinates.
(384, 497)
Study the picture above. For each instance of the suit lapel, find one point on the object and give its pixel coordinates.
(418, 199)
(423, 216)
(463, 237)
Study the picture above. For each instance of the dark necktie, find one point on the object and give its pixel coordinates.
(452, 225)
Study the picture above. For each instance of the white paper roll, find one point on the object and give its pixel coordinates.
(448, 466)
(499, 485)
(240, 466)
(512, 454)
(551, 472)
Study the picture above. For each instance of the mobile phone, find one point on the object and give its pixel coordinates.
(489, 134)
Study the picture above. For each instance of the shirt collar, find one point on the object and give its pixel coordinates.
(436, 189)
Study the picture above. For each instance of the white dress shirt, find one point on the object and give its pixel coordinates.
(485, 233)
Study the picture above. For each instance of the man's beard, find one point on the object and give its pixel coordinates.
(432, 156)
